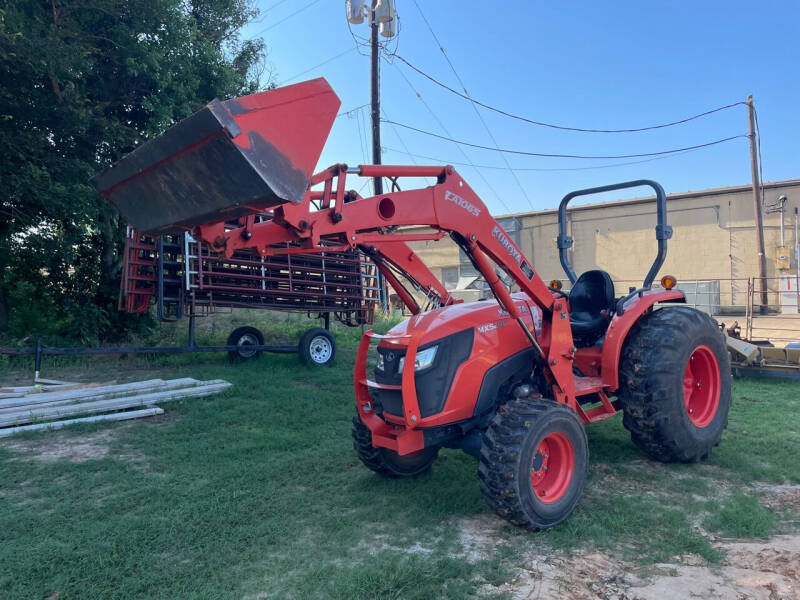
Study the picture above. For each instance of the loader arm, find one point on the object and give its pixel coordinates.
(394, 258)
(450, 206)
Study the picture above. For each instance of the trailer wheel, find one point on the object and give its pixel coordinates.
(387, 462)
(675, 384)
(317, 347)
(534, 462)
(244, 337)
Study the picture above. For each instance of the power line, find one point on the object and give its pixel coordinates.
(351, 111)
(24, 218)
(323, 63)
(472, 103)
(358, 40)
(298, 11)
(548, 155)
(363, 185)
(564, 127)
(360, 137)
(365, 129)
(275, 5)
(402, 142)
(444, 161)
(460, 149)
(264, 12)
(361, 41)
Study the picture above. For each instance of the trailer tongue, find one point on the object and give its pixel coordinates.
(229, 159)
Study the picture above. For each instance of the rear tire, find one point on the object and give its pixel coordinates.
(387, 462)
(675, 384)
(243, 337)
(317, 347)
(534, 462)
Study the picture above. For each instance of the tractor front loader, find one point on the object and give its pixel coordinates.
(512, 382)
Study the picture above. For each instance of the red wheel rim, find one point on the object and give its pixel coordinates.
(552, 467)
(701, 386)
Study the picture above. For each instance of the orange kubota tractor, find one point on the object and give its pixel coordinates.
(512, 381)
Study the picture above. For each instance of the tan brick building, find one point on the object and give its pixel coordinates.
(714, 239)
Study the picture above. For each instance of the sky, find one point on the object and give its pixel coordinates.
(586, 64)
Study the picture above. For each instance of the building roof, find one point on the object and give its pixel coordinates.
(734, 189)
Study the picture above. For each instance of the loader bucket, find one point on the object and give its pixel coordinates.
(230, 158)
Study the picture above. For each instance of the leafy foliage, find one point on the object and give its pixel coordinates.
(84, 82)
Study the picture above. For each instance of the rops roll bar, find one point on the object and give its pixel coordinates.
(663, 231)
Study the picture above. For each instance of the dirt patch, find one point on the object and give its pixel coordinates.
(57, 446)
(382, 542)
(758, 570)
(582, 577)
(781, 555)
(479, 536)
(779, 497)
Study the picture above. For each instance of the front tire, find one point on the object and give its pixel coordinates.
(675, 384)
(387, 462)
(534, 462)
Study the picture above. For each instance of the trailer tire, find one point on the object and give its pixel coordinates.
(387, 462)
(675, 384)
(534, 462)
(243, 337)
(317, 347)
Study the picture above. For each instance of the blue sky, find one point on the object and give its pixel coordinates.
(584, 64)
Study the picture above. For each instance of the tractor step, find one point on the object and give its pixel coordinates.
(588, 385)
(593, 386)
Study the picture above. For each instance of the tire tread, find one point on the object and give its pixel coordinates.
(500, 452)
(652, 355)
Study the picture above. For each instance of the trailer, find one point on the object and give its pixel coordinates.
(181, 277)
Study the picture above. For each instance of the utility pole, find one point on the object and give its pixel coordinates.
(375, 101)
(757, 202)
(375, 105)
(382, 19)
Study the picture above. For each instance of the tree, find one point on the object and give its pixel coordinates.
(85, 82)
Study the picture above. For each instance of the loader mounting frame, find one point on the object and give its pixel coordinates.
(339, 220)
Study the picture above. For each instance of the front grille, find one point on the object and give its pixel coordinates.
(433, 384)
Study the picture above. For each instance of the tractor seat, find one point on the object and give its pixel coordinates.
(591, 302)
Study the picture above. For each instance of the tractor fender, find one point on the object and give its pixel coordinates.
(629, 311)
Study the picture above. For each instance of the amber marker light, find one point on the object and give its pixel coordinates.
(668, 282)
(556, 284)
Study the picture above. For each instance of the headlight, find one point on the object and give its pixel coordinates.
(423, 360)
(380, 365)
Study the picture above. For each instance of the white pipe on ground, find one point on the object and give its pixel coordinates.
(120, 416)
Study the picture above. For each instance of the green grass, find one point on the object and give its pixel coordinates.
(740, 516)
(256, 493)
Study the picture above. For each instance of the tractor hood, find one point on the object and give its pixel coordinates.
(483, 315)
